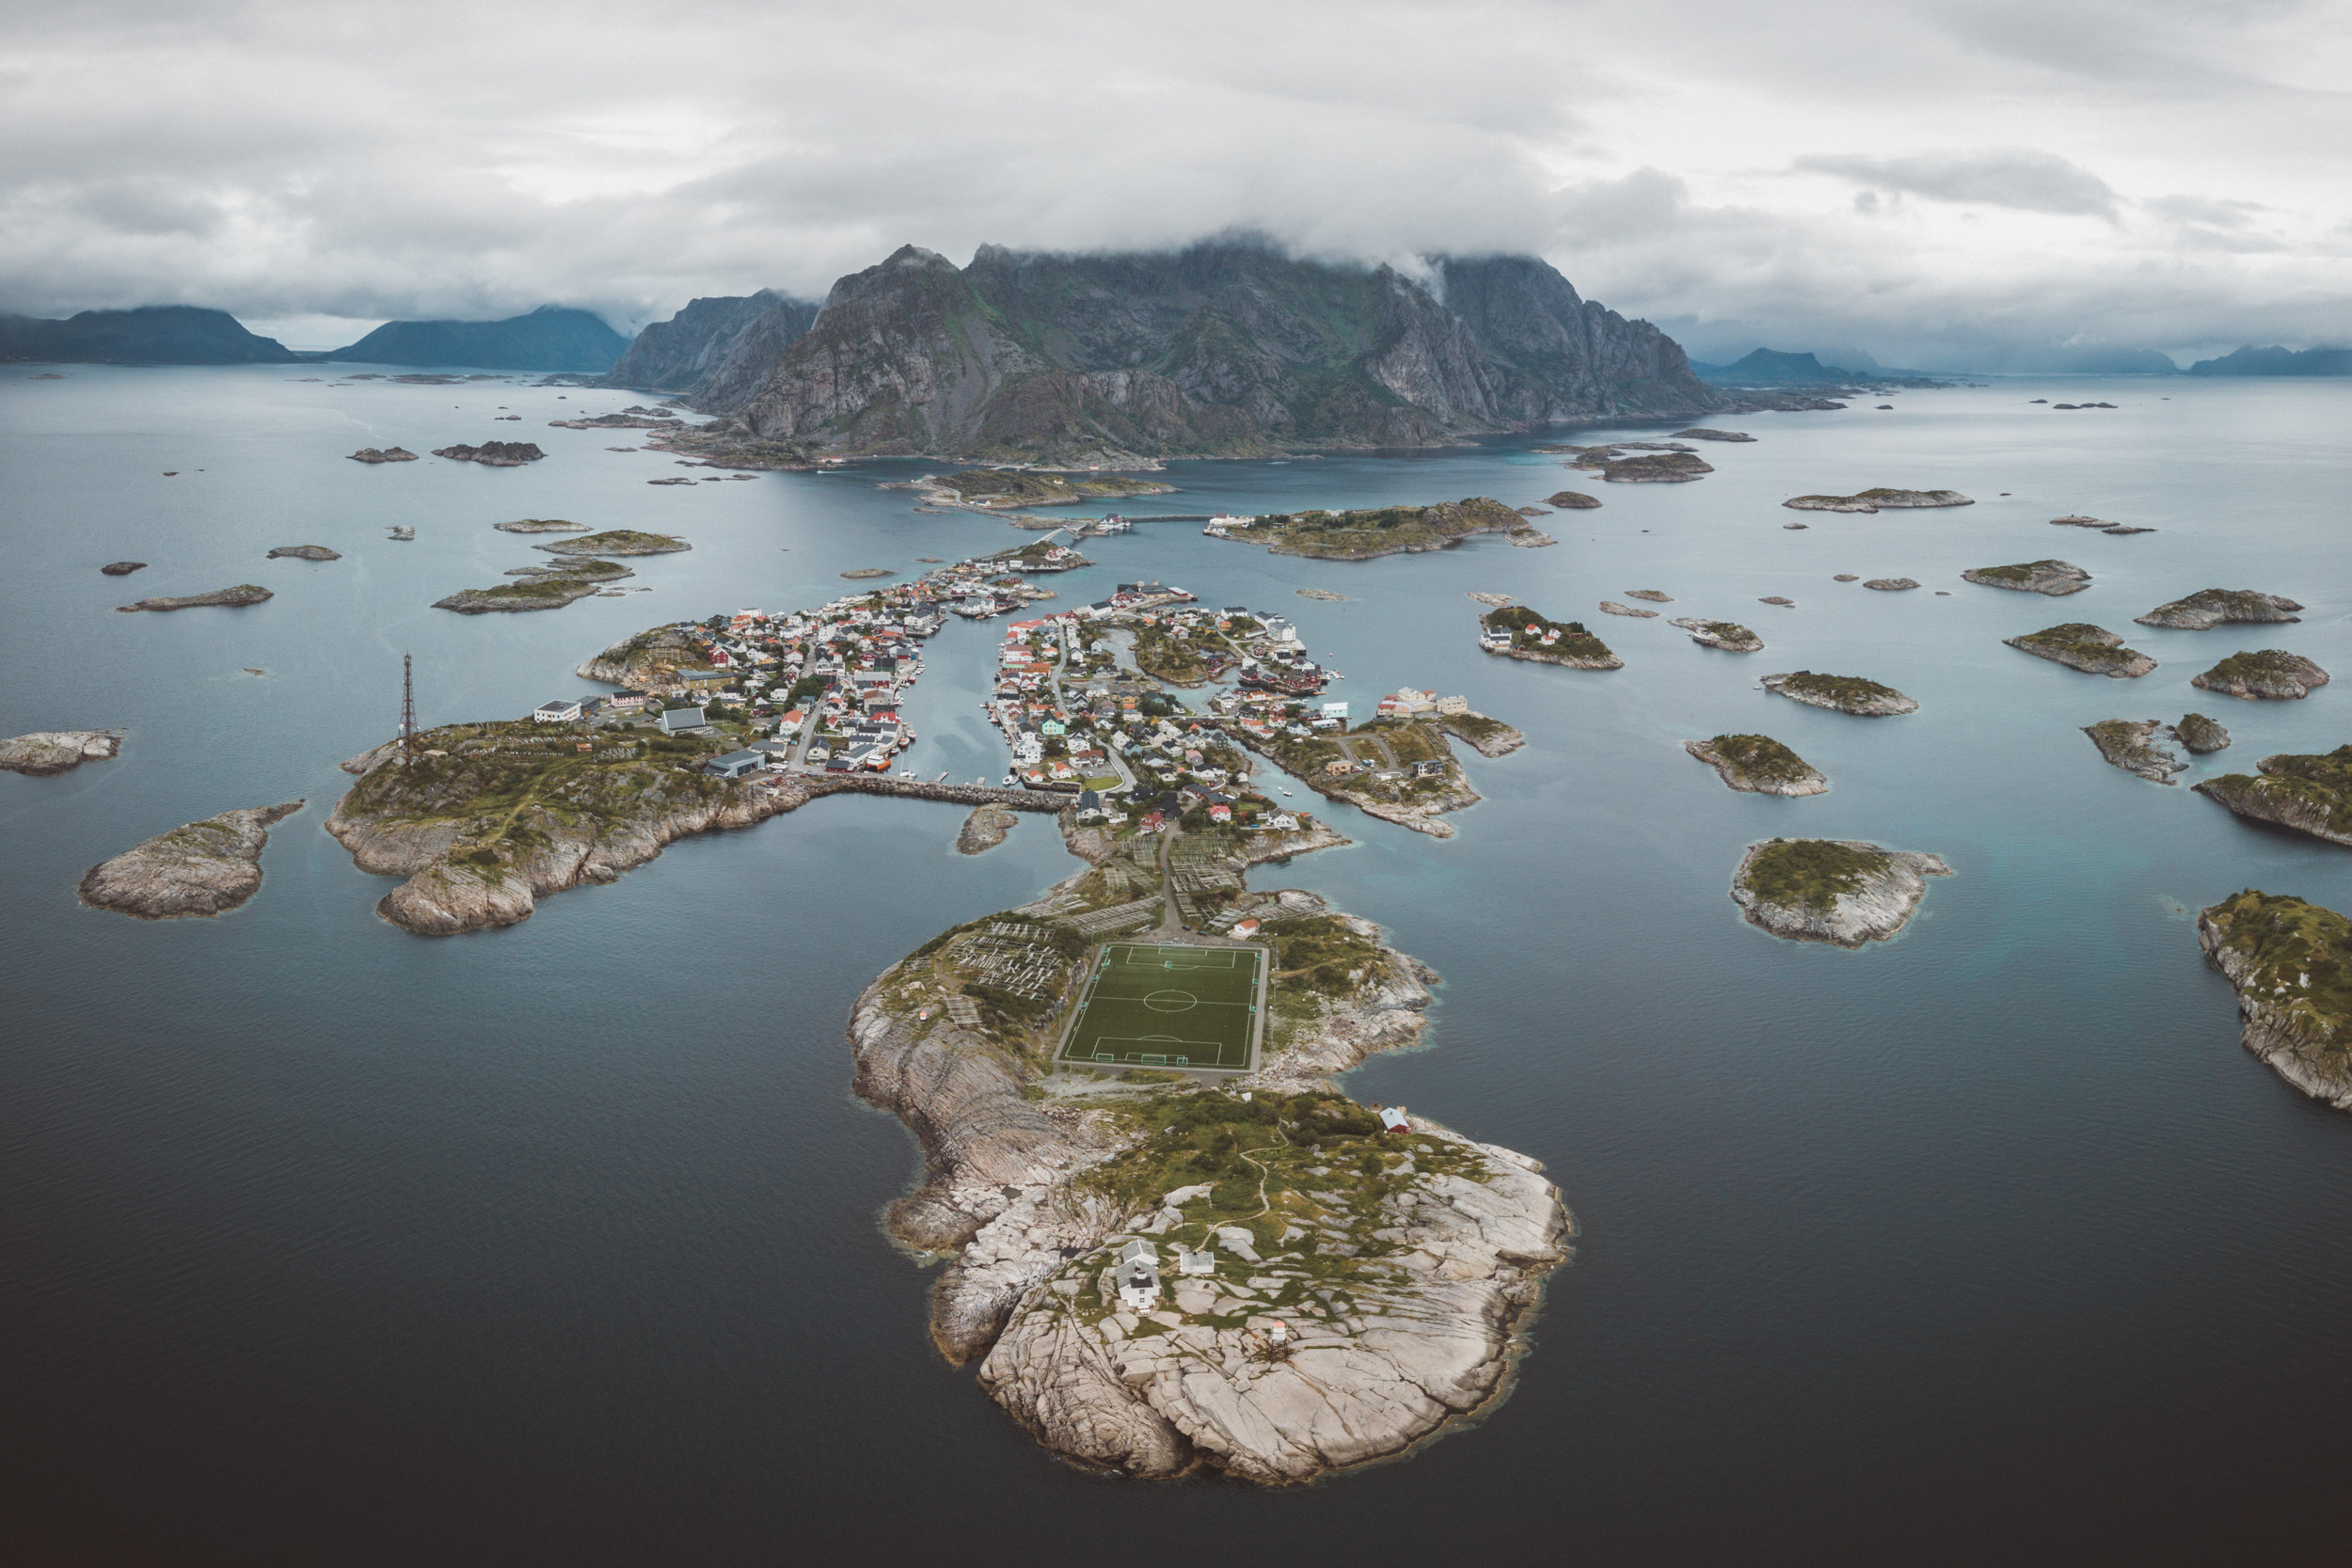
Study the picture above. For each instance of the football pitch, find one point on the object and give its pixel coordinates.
(1153, 1005)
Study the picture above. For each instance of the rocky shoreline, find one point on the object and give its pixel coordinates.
(44, 754)
(1840, 891)
(2289, 962)
(204, 868)
(1365, 1291)
(986, 828)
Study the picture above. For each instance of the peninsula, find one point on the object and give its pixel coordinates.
(1840, 891)
(1759, 763)
(2079, 645)
(2266, 672)
(2056, 579)
(2291, 964)
(204, 868)
(1850, 694)
(46, 752)
(1517, 632)
(2310, 794)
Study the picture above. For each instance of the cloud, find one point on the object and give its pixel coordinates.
(2025, 181)
(297, 160)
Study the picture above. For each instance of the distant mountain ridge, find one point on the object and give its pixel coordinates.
(1226, 347)
(718, 349)
(2276, 360)
(149, 335)
(1767, 367)
(553, 338)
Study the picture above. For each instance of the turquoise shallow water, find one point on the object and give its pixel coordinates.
(321, 1242)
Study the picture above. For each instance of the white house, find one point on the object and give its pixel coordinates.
(1139, 1275)
(561, 711)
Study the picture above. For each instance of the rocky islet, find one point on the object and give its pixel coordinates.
(2264, 674)
(2055, 579)
(2079, 645)
(203, 868)
(2212, 606)
(44, 754)
(1759, 763)
(1852, 694)
(1839, 891)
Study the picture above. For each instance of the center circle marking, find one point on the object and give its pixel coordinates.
(1171, 1001)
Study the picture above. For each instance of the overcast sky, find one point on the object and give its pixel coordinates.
(1971, 183)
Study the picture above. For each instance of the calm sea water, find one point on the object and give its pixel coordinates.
(320, 1242)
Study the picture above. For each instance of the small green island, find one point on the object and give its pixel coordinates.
(617, 541)
(1373, 531)
(2212, 606)
(2291, 964)
(1878, 501)
(1850, 694)
(1516, 632)
(537, 588)
(2271, 674)
(2055, 579)
(1003, 489)
(2079, 645)
(1759, 763)
(1840, 891)
(2310, 794)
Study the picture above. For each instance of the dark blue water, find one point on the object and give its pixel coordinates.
(320, 1242)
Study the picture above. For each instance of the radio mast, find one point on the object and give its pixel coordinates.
(407, 707)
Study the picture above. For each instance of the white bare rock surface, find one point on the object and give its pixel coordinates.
(47, 751)
(1427, 1338)
(203, 868)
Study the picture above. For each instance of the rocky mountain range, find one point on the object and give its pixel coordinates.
(151, 335)
(553, 338)
(720, 350)
(1224, 348)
